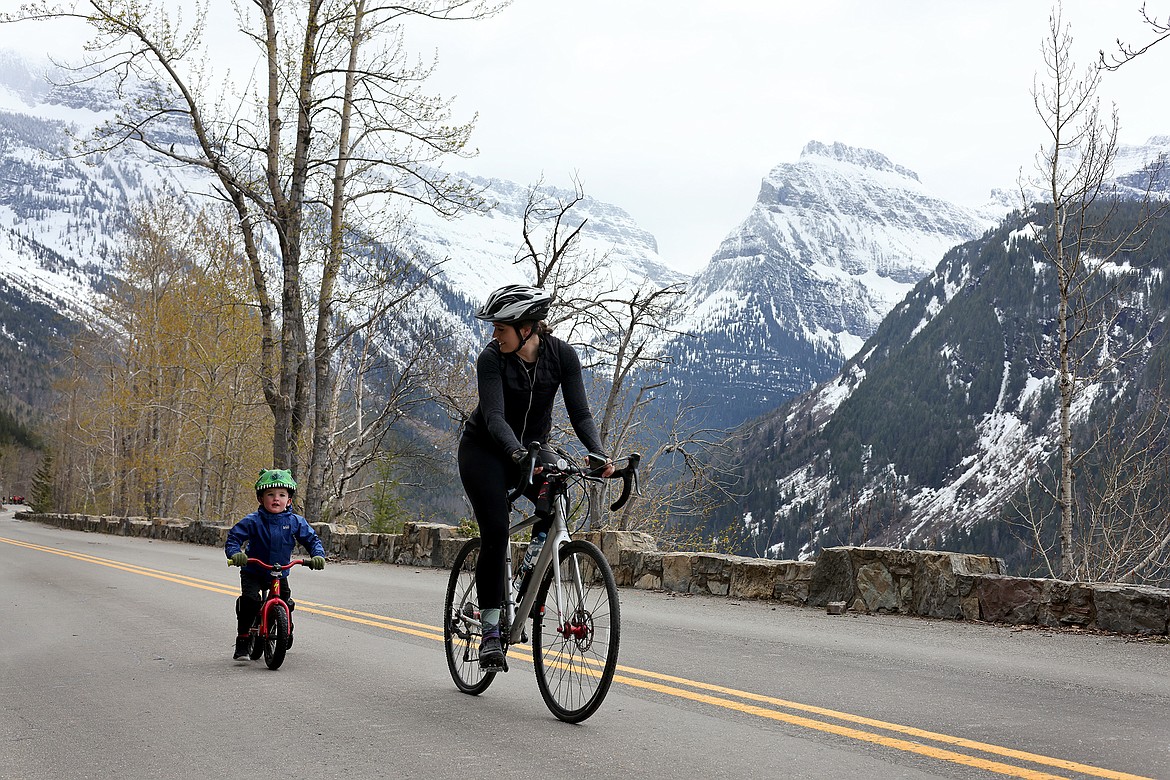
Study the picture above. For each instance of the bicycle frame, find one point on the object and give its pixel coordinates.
(274, 594)
(558, 534)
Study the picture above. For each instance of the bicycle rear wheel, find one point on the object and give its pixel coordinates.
(276, 643)
(575, 657)
(461, 630)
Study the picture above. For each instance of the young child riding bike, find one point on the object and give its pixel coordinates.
(271, 534)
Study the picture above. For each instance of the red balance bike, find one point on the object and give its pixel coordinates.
(272, 630)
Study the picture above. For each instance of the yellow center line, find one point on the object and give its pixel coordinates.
(180, 579)
(845, 731)
(907, 730)
(669, 685)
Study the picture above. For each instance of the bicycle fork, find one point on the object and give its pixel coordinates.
(264, 620)
(566, 624)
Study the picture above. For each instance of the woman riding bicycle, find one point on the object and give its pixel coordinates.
(517, 374)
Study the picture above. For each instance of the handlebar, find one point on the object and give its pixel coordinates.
(530, 460)
(628, 473)
(273, 566)
(629, 476)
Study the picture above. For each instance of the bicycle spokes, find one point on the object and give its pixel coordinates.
(575, 641)
(461, 623)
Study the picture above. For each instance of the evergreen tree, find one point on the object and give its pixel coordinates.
(42, 498)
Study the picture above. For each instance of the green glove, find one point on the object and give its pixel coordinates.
(317, 563)
(239, 559)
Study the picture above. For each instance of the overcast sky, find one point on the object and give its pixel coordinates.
(675, 109)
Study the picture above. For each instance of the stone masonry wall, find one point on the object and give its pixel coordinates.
(874, 580)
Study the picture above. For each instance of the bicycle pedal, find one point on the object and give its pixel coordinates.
(500, 665)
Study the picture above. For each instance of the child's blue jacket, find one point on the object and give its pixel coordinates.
(272, 538)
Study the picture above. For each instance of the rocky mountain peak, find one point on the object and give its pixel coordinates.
(863, 158)
(834, 241)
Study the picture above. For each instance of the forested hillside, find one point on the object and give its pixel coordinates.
(29, 362)
(29, 359)
(933, 433)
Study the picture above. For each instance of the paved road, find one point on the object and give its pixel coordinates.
(115, 663)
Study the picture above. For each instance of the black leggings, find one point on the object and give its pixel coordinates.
(251, 597)
(488, 475)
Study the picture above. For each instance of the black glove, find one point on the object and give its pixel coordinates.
(518, 455)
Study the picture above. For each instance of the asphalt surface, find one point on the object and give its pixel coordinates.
(115, 662)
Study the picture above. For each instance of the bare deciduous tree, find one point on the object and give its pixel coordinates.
(1126, 52)
(162, 415)
(1125, 536)
(621, 329)
(336, 127)
(385, 386)
(1080, 244)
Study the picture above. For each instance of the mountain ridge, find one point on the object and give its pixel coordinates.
(930, 433)
(832, 243)
(83, 207)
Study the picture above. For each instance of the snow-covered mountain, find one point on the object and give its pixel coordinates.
(834, 241)
(479, 249)
(63, 218)
(948, 411)
(832, 244)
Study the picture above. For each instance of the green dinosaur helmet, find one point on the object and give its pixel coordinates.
(276, 478)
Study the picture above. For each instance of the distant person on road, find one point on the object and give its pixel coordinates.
(517, 377)
(271, 533)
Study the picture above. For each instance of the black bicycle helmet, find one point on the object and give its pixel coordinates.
(516, 303)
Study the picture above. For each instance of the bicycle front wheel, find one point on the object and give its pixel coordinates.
(461, 629)
(276, 643)
(575, 633)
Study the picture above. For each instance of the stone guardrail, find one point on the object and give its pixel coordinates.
(872, 580)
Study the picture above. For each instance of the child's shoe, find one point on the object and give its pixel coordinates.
(243, 645)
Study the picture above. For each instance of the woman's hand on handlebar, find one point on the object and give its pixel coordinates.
(600, 466)
(522, 456)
